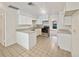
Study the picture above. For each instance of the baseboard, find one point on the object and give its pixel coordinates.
(6, 45)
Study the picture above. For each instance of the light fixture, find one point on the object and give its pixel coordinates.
(13, 7)
(43, 11)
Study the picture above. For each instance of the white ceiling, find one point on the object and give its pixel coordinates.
(49, 7)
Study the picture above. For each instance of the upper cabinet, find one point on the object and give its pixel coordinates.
(68, 15)
(67, 20)
(71, 6)
(42, 18)
(39, 21)
(70, 9)
(24, 20)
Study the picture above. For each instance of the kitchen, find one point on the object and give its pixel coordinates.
(30, 29)
(25, 25)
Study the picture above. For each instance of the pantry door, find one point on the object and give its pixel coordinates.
(75, 34)
(2, 28)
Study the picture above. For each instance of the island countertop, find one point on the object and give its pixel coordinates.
(25, 30)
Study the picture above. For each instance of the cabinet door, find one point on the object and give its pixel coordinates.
(64, 41)
(32, 40)
(39, 21)
(24, 20)
(38, 32)
(67, 20)
(67, 42)
(60, 41)
(22, 39)
(21, 20)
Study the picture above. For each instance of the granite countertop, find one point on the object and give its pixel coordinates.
(22, 27)
(28, 28)
(64, 31)
(25, 30)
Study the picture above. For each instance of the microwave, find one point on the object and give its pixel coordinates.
(54, 25)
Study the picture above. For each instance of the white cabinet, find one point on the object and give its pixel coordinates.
(53, 32)
(39, 21)
(38, 32)
(26, 39)
(32, 40)
(53, 38)
(22, 39)
(67, 20)
(23, 20)
(64, 41)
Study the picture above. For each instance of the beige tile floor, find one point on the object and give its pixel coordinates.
(42, 49)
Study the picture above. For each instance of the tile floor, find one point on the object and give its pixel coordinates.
(42, 49)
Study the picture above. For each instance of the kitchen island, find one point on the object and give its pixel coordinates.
(26, 38)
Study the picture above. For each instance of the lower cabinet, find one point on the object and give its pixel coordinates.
(38, 32)
(26, 40)
(64, 41)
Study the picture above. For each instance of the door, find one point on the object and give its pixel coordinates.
(2, 28)
(75, 34)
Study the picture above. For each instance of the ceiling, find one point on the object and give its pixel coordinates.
(35, 10)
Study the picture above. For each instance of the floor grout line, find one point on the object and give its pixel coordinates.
(41, 49)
